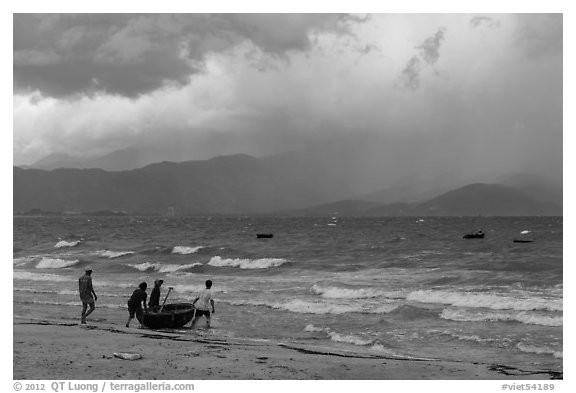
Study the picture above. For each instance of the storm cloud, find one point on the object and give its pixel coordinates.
(129, 55)
(472, 98)
(428, 54)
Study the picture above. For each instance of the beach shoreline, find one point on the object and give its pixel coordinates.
(64, 349)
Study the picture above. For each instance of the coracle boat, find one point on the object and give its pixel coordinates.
(473, 236)
(172, 316)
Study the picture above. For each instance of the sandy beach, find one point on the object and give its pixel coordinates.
(60, 349)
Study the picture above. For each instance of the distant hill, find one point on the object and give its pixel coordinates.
(228, 184)
(118, 160)
(293, 183)
(471, 200)
(488, 200)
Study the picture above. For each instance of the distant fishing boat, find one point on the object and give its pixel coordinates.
(172, 316)
(476, 235)
(525, 237)
(264, 235)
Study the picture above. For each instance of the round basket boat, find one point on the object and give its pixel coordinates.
(172, 316)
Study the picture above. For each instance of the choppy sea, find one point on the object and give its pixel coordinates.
(410, 287)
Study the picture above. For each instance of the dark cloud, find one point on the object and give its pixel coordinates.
(430, 48)
(411, 73)
(428, 54)
(484, 21)
(62, 55)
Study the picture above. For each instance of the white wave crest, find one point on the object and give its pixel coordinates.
(55, 263)
(539, 350)
(67, 292)
(522, 317)
(496, 302)
(75, 304)
(300, 306)
(188, 288)
(339, 337)
(113, 254)
(185, 250)
(312, 328)
(64, 243)
(41, 277)
(161, 268)
(263, 263)
(346, 293)
(350, 339)
(22, 260)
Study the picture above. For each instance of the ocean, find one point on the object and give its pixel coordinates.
(406, 287)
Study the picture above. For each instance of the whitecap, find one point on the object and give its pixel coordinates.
(55, 263)
(18, 275)
(113, 254)
(22, 260)
(528, 348)
(185, 250)
(262, 263)
(496, 302)
(522, 317)
(163, 268)
(301, 306)
(340, 337)
(64, 243)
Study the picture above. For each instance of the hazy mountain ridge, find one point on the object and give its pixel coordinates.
(242, 184)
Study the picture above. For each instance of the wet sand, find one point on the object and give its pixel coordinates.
(61, 349)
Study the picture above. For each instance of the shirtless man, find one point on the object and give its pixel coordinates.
(87, 294)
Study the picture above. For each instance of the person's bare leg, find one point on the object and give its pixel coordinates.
(83, 318)
(92, 308)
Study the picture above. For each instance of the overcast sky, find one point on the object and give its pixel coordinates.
(481, 89)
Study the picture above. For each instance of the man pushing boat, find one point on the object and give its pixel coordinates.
(204, 300)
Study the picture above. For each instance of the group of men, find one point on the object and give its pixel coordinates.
(137, 301)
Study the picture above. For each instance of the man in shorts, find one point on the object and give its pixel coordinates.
(204, 300)
(87, 294)
(136, 301)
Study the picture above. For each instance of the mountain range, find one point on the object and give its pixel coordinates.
(292, 183)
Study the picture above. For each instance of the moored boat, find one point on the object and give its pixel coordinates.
(172, 316)
(477, 235)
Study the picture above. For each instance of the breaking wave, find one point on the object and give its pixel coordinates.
(185, 250)
(496, 302)
(346, 293)
(113, 254)
(301, 306)
(263, 263)
(522, 317)
(540, 350)
(341, 338)
(55, 263)
(18, 275)
(162, 268)
(64, 243)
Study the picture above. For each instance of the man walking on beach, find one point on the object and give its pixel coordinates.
(87, 294)
(204, 299)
